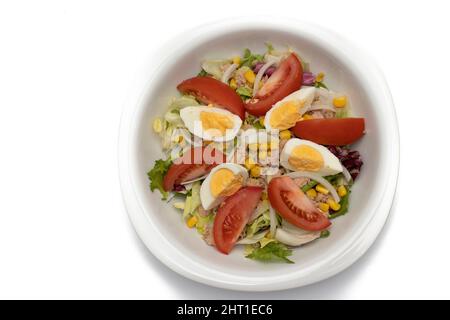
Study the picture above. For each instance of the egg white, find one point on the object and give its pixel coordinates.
(191, 115)
(331, 166)
(206, 197)
(306, 93)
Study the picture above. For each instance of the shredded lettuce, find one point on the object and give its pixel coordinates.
(215, 67)
(244, 92)
(272, 252)
(250, 58)
(259, 224)
(203, 221)
(157, 174)
(192, 200)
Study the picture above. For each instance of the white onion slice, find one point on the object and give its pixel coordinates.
(260, 75)
(256, 238)
(319, 179)
(321, 107)
(347, 175)
(227, 74)
(293, 239)
(273, 220)
(193, 180)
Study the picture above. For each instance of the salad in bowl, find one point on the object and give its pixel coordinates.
(258, 153)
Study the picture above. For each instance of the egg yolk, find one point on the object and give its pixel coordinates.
(306, 158)
(217, 123)
(225, 183)
(286, 115)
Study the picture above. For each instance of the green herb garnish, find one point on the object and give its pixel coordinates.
(272, 252)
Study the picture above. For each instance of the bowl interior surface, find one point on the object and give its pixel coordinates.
(184, 62)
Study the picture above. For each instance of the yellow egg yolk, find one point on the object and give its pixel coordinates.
(215, 122)
(286, 115)
(306, 158)
(225, 183)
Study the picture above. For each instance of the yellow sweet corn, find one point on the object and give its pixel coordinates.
(320, 76)
(311, 193)
(307, 117)
(157, 125)
(324, 207)
(233, 83)
(250, 76)
(340, 102)
(237, 60)
(342, 191)
(261, 121)
(192, 221)
(320, 188)
(333, 204)
(249, 163)
(255, 172)
(285, 134)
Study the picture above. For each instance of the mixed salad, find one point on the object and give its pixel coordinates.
(258, 153)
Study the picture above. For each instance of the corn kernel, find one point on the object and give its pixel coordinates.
(320, 188)
(324, 207)
(311, 193)
(179, 205)
(340, 102)
(333, 204)
(192, 221)
(285, 134)
(250, 76)
(233, 83)
(157, 125)
(261, 121)
(320, 76)
(342, 191)
(255, 172)
(237, 60)
(253, 146)
(307, 117)
(249, 163)
(262, 155)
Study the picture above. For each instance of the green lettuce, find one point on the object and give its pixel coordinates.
(272, 252)
(192, 200)
(157, 174)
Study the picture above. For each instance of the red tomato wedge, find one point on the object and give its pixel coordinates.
(294, 206)
(233, 215)
(285, 80)
(193, 164)
(333, 131)
(209, 90)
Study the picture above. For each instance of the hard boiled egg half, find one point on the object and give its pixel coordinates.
(223, 181)
(304, 155)
(287, 112)
(210, 123)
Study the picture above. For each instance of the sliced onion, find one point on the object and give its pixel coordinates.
(260, 75)
(227, 74)
(193, 180)
(321, 107)
(347, 175)
(273, 220)
(256, 238)
(295, 240)
(319, 179)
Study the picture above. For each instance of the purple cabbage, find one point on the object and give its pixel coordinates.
(350, 159)
(268, 72)
(308, 78)
(179, 188)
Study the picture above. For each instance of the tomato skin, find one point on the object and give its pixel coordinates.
(193, 164)
(285, 196)
(233, 215)
(285, 80)
(209, 90)
(333, 131)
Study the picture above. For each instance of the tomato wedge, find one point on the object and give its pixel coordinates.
(209, 90)
(193, 164)
(285, 80)
(294, 206)
(333, 131)
(233, 215)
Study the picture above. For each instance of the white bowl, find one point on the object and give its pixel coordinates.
(160, 226)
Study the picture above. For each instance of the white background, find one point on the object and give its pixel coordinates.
(65, 70)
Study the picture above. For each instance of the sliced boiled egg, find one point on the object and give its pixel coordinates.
(287, 112)
(210, 123)
(223, 181)
(304, 155)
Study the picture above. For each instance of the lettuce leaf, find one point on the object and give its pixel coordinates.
(272, 252)
(249, 58)
(156, 176)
